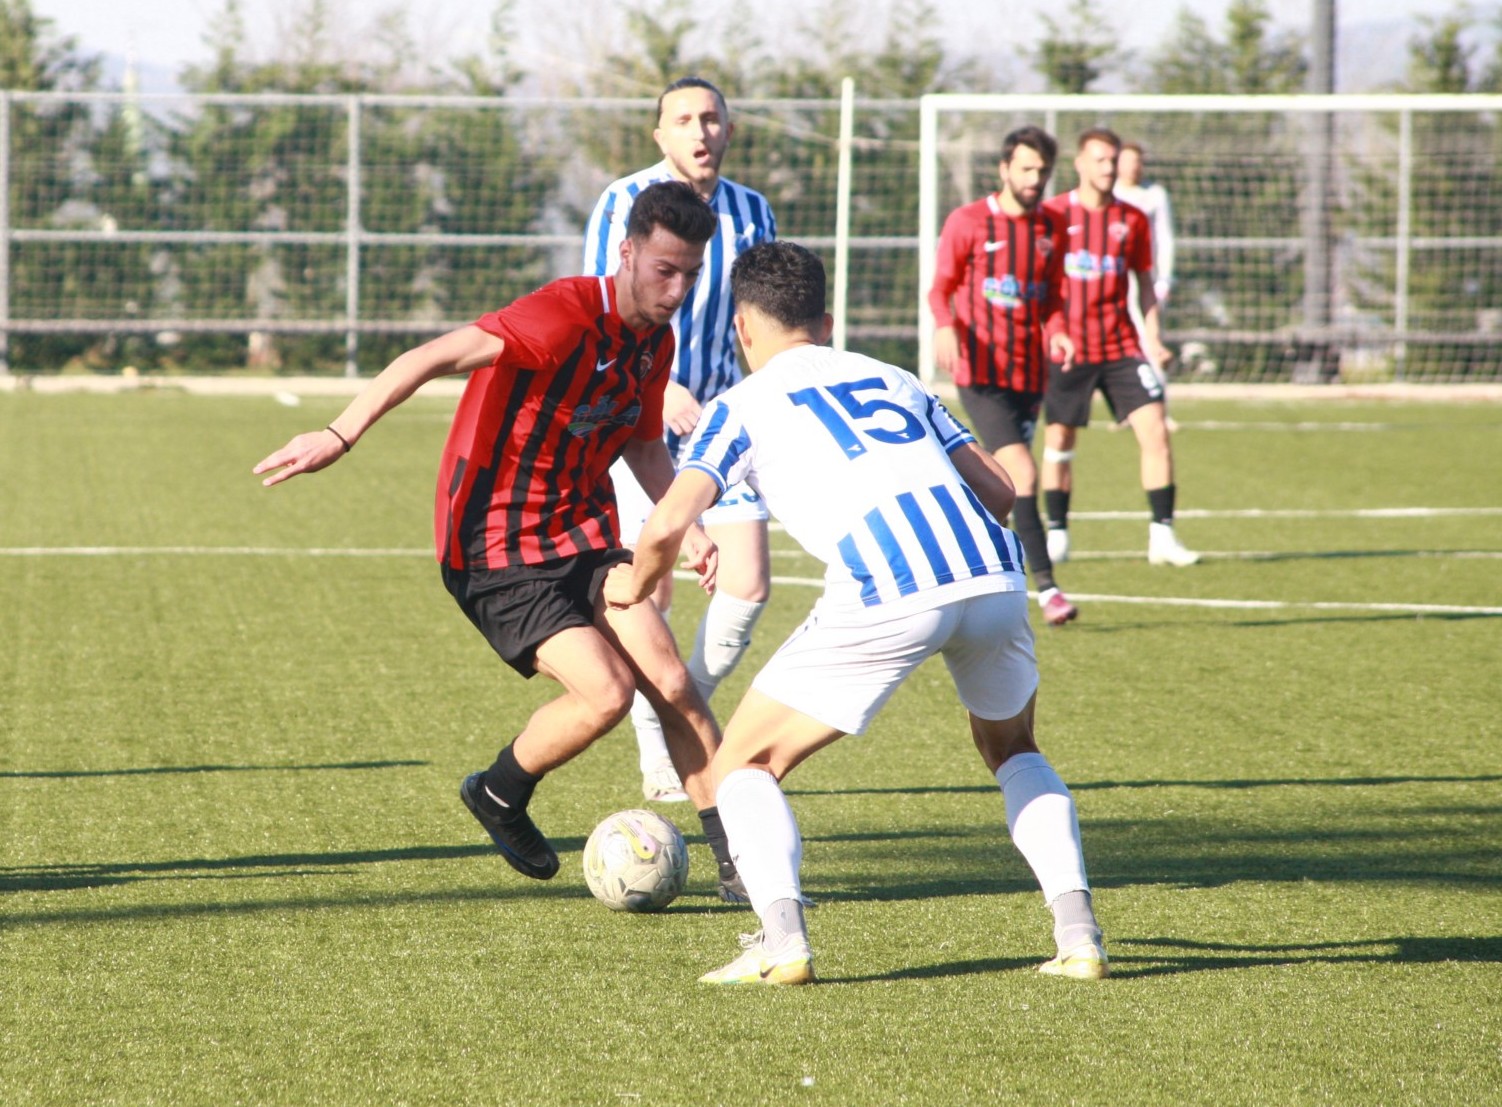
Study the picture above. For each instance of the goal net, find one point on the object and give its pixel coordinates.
(1351, 238)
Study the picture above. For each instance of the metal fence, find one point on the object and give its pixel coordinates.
(325, 233)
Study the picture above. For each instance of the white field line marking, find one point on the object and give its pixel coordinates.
(1299, 513)
(799, 582)
(1226, 425)
(1280, 513)
(208, 551)
(1265, 555)
(1237, 605)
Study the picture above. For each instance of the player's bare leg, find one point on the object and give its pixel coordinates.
(764, 740)
(690, 731)
(597, 693)
(660, 782)
(645, 643)
(1044, 826)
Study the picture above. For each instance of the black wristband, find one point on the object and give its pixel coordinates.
(342, 440)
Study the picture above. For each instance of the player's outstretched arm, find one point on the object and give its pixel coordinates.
(986, 478)
(459, 351)
(689, 496)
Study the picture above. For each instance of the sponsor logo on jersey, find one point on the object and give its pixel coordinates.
(1082, 265)
(591, 417)
(1009, 293)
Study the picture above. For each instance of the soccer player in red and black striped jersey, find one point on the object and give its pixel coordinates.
(562, 383)
(1109, 243)
(996, 302)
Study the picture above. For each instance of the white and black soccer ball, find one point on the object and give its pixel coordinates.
(636, 861)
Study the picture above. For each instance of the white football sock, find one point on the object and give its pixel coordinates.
(764, 838)
(723, 635)
(1043, 824)
(651, 746)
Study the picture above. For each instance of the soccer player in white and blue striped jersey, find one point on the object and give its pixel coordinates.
(873, 476)
(694, 131)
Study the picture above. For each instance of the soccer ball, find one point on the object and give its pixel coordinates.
(636, 861)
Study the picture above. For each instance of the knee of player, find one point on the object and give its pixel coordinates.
(610, 703)
(674, 687)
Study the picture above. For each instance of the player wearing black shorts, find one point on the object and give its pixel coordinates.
(996, 302)
(562, 383)
(1109, 243)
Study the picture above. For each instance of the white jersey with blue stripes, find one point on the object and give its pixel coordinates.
(853, 457)
(706, 359)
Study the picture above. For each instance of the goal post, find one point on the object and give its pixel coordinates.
(1316, 237)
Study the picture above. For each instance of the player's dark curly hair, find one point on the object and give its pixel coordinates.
(1035, 139)
(783, 281)
(676, 208)
(693, 82)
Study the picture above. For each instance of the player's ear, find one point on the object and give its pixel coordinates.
(626, 252)
(826, 328)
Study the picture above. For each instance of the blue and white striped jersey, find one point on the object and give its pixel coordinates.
(852, 456)
(706, 363)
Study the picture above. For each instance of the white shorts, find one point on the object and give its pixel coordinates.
(739, 504)
(842, 667)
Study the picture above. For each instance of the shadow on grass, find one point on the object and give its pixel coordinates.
(59, 878)
(1181, 955)
(162, 770)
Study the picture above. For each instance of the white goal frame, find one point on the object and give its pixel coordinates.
(1045, 110)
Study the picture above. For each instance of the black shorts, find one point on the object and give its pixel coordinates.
(1127, 385)
(1000, 417)
(520, 607)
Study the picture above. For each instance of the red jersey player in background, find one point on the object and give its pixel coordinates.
(996, 302)
(1109, 242)
(563, 382)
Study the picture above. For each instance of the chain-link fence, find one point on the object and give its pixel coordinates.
(298, 234)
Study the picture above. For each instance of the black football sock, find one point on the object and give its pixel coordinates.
(1160, 503)
(1029, 528)
(508, 786)
(1056, 507)
(714, 831)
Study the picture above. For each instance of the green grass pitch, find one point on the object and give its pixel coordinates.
(236, 869)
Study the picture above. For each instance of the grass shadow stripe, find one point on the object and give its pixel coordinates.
(160, 770)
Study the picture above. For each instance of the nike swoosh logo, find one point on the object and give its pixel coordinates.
(1077, 228)
(601, 366)
(495, 797)
(992, 247)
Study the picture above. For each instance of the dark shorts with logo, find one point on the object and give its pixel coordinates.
(520, 607)
(1000, 417)
(1126, 384)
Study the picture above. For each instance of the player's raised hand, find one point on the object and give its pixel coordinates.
(307, 453)
(680, 410)
(622, 589)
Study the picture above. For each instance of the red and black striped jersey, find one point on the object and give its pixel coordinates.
(524, 477)
(998, 282)
(1103, 246)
